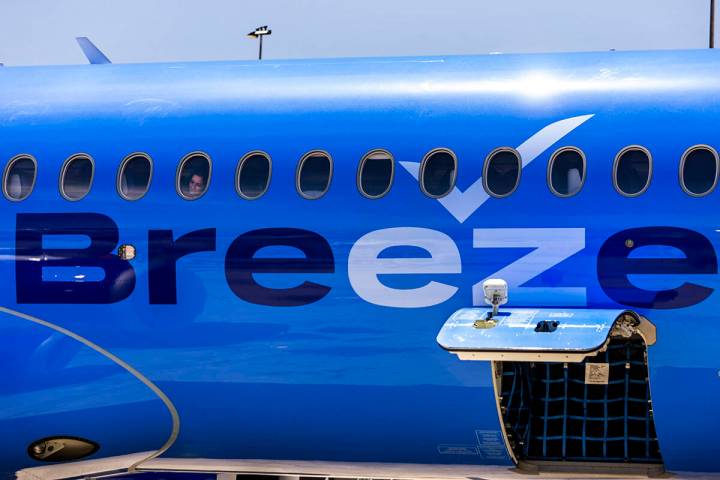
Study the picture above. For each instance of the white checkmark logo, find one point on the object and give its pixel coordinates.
(462, 204)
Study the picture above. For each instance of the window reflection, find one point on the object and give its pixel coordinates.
(77, 176)
(20, 178)
(314, 175)
(135, 173)
(438, 172)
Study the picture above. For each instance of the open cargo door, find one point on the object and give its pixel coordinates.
(571, 385)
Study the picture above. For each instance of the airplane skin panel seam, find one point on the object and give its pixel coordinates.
(175, 417)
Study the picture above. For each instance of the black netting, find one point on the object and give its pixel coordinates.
(550, 413)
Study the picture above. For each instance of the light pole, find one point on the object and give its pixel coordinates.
(712, 23)
(259, 33)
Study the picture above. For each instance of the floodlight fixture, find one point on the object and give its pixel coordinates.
(259, 33)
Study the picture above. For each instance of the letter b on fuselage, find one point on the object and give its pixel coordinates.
(32, 257)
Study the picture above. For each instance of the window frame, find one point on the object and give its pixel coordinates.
(178, 171)
(486, 165)
(6, 171)
(553, 157)
(365, 158)
(121, 170)
(683, 159)
(298, 169)
(616, 163)
(63, 171)
(421, 172)
(239, 167)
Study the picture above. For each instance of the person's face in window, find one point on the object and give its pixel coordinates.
(196, 186)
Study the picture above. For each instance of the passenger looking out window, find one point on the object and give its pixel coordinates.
(194, 176)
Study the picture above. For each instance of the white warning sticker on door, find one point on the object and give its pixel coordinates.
(597, 373)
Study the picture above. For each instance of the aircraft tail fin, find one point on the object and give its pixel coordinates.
(94, 55)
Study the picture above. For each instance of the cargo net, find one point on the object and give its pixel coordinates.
(551, 413)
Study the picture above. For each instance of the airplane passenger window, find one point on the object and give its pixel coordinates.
(19, 177)
(193, 176)
(134, 176)
(699, 171)
(632, 171)
(438, 173)
(313, 175)
(566, 172)
(501, 173)
(76, 177)
(253, 175)
(375, 174)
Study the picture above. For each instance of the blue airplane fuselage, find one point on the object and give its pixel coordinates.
(330, 354)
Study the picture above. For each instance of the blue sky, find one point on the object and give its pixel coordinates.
(37, 32)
